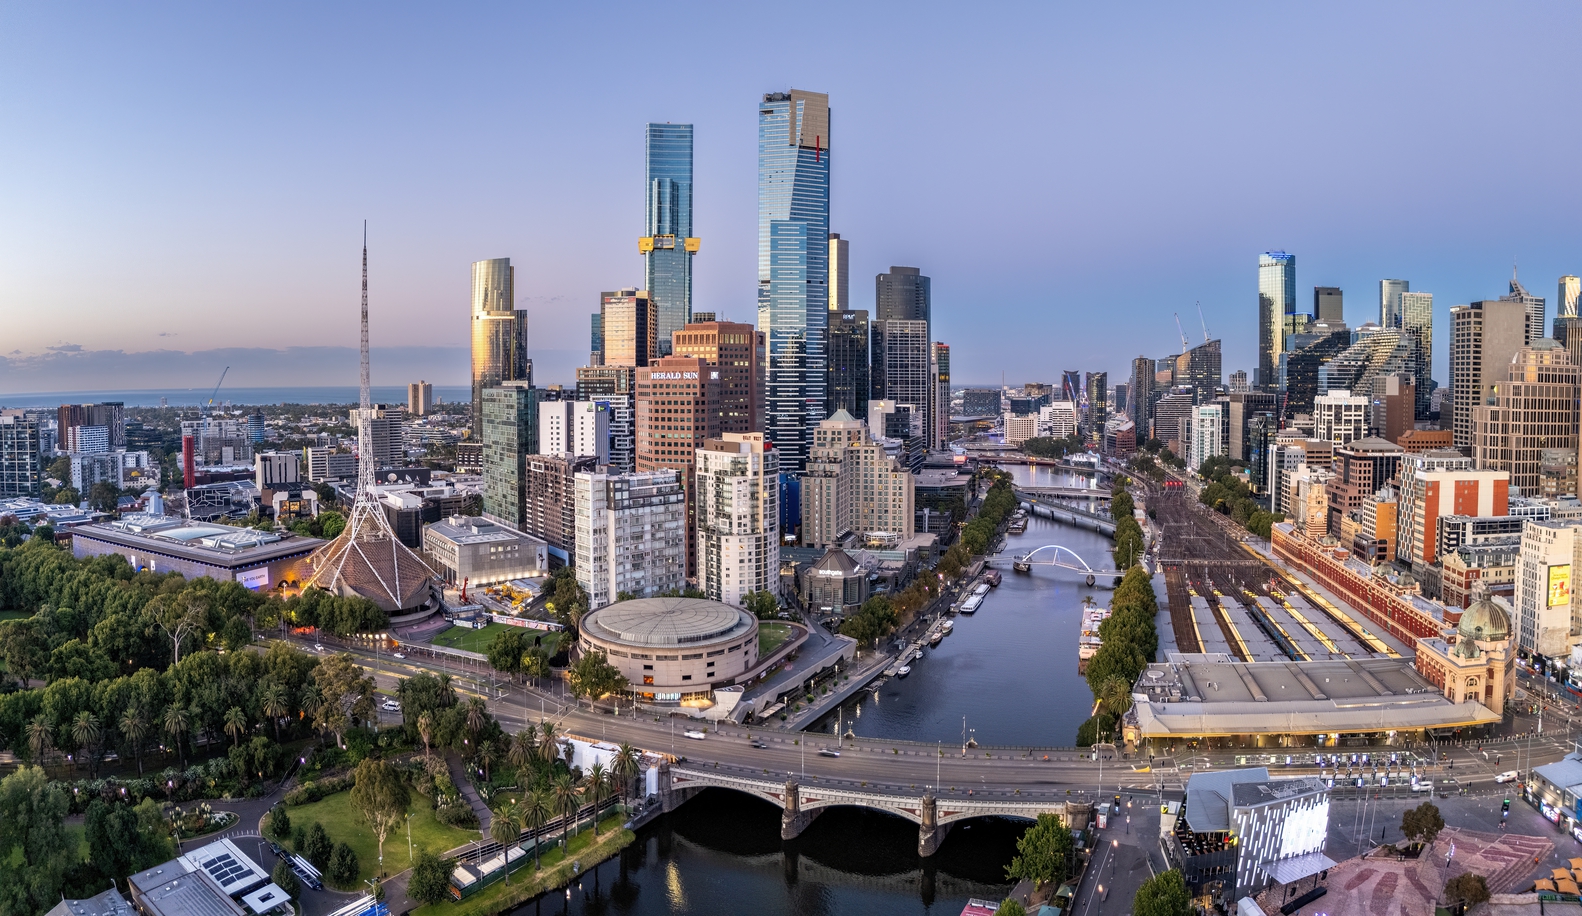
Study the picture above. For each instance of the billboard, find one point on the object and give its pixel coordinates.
(1559, 585)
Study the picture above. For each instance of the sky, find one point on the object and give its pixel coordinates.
(184, 186)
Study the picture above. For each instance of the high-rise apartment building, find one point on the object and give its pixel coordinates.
(677, 411)
(1417, 320)
(580, 429)
(631, 327)
(1532, 305)
(1551, 552)
(510, 434)
(735, 351)
(850, 385)
(1208, 426)
(1436, 483)
(1276, 313)
(21, 461)
(852, 488)
(1200, 367)
(1240, 409)
(1484, 336)
(738, 517)
(1340, 417)
(839, 273)
(793, 265)
(1142, 406)
(631, 532)
(499, 333)
(386, 427)
(939, 408)
(550, 501)
(1569, 298)
(1534, 409)
(1071, 386)
(1238, 381)
(1328, 304)
(1098, 385)
(614, 386)
(419, 398)
(1390, 301)
(668, 245)
(110, 415)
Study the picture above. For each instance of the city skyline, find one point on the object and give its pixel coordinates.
(427, 243)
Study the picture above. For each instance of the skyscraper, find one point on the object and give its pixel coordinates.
(1276, 313)
(21, 464)
(1534, 408)
(669, 245)
(1484, 337)
(900, 358)
(1417, 320)
(793, 264)
(1142, 396)
(419, 398)
(1533, 305)
(903, 294)
(596, 340)
(614, 385)
(1071, 385)
(510, 434)
(1570, 297)
(1098, 403)
(499, 333)
(1390, 301)
(630, 326)
(940, 408)
(1328, 304)
(735, 351)
(839, 273)
(677, 411)
(738, 517)
(849, 383)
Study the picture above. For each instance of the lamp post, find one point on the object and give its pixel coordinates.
(409, 856)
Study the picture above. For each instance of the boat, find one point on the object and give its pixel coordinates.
(970, 606)
(1089, 641)
(981, 590)
(935, 638)
(903, 671)
(1020, 564)
(993, 578)
(947, 627)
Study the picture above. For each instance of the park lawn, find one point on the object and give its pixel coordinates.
(770, 636)
(77, 835)
(344, 825)
(553, 871)
(470, 640)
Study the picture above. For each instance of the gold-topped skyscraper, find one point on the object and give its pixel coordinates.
(499, 333)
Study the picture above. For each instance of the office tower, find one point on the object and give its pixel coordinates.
(839, 273)
(737, 507)
(326, 463)
(1390, 301)
(1417, 320)
(1200, 367)
(903, 294)
(1238, 381)
(1071, 385)
(901, 429)
(630, 325)
(1532, 305)
(1208, 422)
(1142, 406)
(1059, 420)
(793, 265)
(1328, 304)
(499, 333)
(939, 407)
(1098, 384)
(735, 351)
(1361, 468)
(1534, 408)
(419, 398)
(510, 434)
(1173, 419)
(852, 487)
(975, 402)
(1392, 406)
(850, 385)
(1438, 483)
(677, 411)
(900, 356)
(1339, 417)
(1301, 364)
(1262, 432)
(1119, 401)
(631, 532)
(1377, 352)
(21, 461)
(614, 386)
(386, 424)
(1276, 312)
(550, 501)
(1570, 297)
(256, 426)
(580, 429)
(1484, 336)
(596, 341)
(1568, 333)
(668, 245)
(1240, 408)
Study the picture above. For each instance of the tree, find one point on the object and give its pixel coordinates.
(86, 732)
(1467, 889)
(134, 728)
(123, 839)
(763, 605)
(504, 829)
(548, 742)
(1011, 907)
(1422, 823)
(60, 469)
(235, 724)
(593, 676)
(477, 717)
(272, 703)
(331, 523)
(1165, 894)
(104, 496)
(24, 649)
(67, 496)
(177, 721)
(33, 842)
(535, 809)
(1043, 854)
(568, 800)
(522, 752)
(348, 693)
(286, 879)
(343, 866)
(598, 787)
(430, 881)
(40, 740)
(381, 797)
(506, 651)
(624, 766)
(279, 822)
(425, 730)
(317, 846)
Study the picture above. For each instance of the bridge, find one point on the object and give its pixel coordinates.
(800, 805)
(1088, 493)
(1070, 515)
(1025, 563)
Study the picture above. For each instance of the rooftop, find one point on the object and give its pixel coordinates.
(668, 621)
(220, 545)
(463, 529)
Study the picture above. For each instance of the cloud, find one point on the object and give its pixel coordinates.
(67, 348)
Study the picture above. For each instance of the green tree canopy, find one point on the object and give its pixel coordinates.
(32, 842)
(1165, 894)
(1043, 854)
(593, 676)
(380, 796)
(430, 881)
(1467, 888)
(1422, 823)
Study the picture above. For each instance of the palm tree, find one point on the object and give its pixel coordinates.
(486, 755)
(273, 704)
(598, 786)
(177, 719)
(624, 766)
(521, 753)
(505, 830)
(134, 728)
(548, 742)
(40, 740)
(476, 716)
(536, 809)
(235, 724)
(568, 796)
(425, 730)
(447, 691)
(85, 731)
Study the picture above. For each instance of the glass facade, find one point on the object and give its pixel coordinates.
(793, 265)
(21, 465)
(510, 434)
(499, 333)
(1417, 320)
(1276, 313)
(668, 224)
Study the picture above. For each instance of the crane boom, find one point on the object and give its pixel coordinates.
(1185, 346)
(203, 411)
(217, 385)
(1202, 322)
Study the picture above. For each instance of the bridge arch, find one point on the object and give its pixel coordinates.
(1058, 550)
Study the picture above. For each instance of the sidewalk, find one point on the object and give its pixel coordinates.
(458, 775)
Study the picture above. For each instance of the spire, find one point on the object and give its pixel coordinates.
(365, 442)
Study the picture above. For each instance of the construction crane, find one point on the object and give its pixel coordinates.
(1185, 346)
(203, 411)
(1202, 322)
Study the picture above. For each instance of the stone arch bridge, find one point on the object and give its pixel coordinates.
(800, 805)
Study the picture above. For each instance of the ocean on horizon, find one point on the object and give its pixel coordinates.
(232, 397)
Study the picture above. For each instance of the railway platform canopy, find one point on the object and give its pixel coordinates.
(1212, 697)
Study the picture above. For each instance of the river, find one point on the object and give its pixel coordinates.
(1010, 671)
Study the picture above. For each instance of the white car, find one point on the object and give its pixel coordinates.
(392, 706)
(1507, 776)
(399, 655)
(694, 734)
(318, 647)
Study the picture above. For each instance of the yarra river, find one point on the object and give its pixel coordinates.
(1010, 670)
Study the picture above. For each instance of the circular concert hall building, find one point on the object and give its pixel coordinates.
(669, 648)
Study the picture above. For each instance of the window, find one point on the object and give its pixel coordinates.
(686, 677)
(648, 668)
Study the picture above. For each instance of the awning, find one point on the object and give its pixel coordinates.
(1289, 871)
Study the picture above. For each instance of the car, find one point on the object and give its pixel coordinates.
(1424, 785)
(1507, 776)
(318, 647)
(399, 655)
(694, 734)
(759, 743)
(828, 752)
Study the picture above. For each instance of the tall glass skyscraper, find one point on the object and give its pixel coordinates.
(669, 244)
(499, 333)
(1417, 319)
(793, 265)
(1276, 313)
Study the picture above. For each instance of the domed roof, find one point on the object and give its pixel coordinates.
(1484, 620)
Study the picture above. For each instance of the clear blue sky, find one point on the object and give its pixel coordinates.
(186, 178)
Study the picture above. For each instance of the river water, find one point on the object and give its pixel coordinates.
(1010, 670)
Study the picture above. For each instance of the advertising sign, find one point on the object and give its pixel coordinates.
(1559, 585)
(254, 578)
